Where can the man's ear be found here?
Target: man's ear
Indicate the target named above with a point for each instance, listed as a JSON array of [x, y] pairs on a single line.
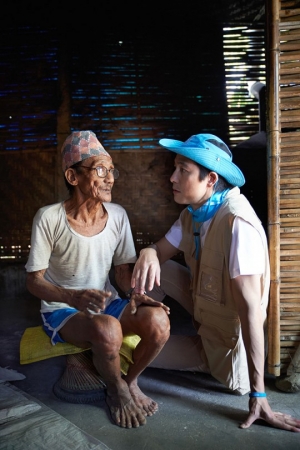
[[71, 177], [212, 178]]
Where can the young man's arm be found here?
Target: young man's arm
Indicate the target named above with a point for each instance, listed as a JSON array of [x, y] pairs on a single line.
[[146, 271], [246, 292], [123, 277]]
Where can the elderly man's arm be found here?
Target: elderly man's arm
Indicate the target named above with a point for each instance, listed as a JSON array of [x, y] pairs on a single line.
[[41, 288], [123, 273], [83, 299]]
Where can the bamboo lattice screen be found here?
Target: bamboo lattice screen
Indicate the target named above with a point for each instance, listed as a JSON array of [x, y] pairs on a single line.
[[130, 94], [284, 181]]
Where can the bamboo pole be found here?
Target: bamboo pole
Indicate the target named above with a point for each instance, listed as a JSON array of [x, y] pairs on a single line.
[[273, 155]]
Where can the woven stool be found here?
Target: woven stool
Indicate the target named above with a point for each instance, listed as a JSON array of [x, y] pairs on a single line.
[[80, 382]]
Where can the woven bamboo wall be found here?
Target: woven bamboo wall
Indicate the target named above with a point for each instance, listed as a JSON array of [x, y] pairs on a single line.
[[284, 184], [27, 183], [143, 189], [154, 85], [130, 95]]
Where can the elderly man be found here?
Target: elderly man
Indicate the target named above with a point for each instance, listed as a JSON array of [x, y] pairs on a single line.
[[225, 284], [73, 246]]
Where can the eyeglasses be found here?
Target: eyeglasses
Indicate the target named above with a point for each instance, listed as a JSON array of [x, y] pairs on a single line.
[[102, 171]]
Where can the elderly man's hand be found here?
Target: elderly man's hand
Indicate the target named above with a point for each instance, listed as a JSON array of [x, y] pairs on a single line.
[[90, 301], [138, 299]]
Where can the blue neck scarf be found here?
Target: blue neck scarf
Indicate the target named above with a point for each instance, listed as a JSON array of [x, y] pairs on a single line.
[[204, 213]]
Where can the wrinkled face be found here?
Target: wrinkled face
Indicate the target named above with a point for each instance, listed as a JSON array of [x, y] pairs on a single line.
[[90, 184], [187, 187]]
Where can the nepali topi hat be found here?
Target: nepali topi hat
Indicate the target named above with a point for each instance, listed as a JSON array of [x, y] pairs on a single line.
[[80, 145]]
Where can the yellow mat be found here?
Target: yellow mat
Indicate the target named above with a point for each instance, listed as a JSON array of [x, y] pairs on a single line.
[[36, 346]]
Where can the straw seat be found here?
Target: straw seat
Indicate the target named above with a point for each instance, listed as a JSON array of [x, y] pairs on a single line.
[[80, 382]]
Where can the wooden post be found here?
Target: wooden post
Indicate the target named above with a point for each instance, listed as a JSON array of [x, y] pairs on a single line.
[[273, 155]]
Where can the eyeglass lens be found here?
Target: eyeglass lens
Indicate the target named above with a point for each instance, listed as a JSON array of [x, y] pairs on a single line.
[[103, 171]]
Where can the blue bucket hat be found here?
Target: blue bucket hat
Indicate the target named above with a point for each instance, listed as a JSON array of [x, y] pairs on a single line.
[[209, 151]]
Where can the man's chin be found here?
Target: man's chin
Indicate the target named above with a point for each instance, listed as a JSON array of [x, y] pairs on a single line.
[[105, 197], [178, 199]]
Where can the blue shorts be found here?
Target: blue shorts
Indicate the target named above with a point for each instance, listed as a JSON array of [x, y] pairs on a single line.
[[54, 321]]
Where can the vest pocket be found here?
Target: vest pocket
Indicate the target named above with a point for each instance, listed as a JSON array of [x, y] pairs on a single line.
[[221, 339], [211, 285], [211, 270], [224, 350]]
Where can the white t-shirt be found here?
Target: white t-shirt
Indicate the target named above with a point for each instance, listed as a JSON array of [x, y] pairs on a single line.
[[74, 261], [246, 252]]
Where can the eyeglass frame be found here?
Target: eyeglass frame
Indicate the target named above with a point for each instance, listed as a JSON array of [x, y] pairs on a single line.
[[115, 173]]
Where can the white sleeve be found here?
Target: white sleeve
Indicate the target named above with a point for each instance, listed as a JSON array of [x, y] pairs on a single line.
[[174, 235], [41, 242], [119, 224], [246, 251]]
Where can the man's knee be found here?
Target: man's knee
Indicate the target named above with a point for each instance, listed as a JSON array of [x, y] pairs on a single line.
[[106, 331], [157, 327]]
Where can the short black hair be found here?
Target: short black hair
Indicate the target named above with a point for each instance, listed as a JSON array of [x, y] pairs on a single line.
[[220, 185]]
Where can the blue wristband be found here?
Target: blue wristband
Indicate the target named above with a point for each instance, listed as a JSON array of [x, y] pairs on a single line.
[[257, 394]]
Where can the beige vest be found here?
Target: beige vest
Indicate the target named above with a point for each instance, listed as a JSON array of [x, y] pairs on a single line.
[[214, 307]]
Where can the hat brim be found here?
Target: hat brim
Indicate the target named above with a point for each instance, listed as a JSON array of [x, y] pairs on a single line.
[[208, 159]]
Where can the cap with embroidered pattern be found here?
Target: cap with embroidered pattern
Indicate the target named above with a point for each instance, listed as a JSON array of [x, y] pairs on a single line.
[[80, 145]]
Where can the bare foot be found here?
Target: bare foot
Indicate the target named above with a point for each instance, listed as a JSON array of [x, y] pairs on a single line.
[[125, 413], [141, 400]]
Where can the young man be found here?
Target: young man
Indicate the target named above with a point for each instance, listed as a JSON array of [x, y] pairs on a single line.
[[225, 284], [73, 245]]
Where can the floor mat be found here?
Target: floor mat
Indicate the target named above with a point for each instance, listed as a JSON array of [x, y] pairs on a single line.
[[28, 424]]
